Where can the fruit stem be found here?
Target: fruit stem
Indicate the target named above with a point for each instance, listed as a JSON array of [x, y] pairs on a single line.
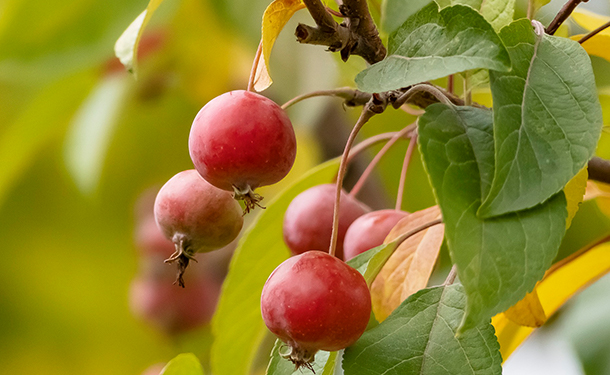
[[451, 277], [347, 93], [403, 172], [365, 115], [257, 58], [182, 256], [376, 159], [371, 141]]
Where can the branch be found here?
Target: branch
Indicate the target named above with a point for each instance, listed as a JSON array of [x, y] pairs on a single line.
[[357, 35], [563, 15], [599, 170], [594, 32]]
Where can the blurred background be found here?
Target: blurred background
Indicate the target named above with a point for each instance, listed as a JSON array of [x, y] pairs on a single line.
[[82, 142]]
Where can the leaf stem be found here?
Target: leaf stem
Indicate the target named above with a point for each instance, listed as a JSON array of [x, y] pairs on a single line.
[[438, 94], [403, 172], [594, 32], [367, 172], [451, 277], [257, 58]]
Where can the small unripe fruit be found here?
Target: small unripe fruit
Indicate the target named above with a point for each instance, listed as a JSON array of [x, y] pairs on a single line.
[[308, 221], [241, 140], [196, 216], [369, 231], [315, 301]]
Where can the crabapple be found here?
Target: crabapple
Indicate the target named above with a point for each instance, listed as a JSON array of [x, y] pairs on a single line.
[[196, 216], [174, 310], [308, 220], [315, 301], [369, 230], [241, 140]]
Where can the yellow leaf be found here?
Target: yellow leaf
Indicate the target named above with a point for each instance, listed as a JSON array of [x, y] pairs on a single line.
[[598, 45], [126, 47], [411, 265], [275, 18], [562, 281], [575, 193], [590, 21], [527, 312]]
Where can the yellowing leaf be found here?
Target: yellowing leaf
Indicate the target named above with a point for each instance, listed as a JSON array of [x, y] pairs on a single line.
[[126, 47], [275, 18], [590, 21], [575, 193], [563, 280], [527, 312], [411, 265], [598, 45]]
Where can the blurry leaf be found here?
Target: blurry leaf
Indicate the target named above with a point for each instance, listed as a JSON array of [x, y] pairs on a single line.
[[183, 364], [498, 13], [575, 192], [527, 312], [126, 47], [395, 12], [411, 265], [45, 117], [590, 21], [421, 337], [237, 325], [597, 45], [561, 282], [537, 4], [433, 44], [91, 131], [277, 14], [324, 363], [455, 143], [547, 119]]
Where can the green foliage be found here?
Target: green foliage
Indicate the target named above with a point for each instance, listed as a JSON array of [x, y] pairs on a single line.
[[238, 326], [396, 12], [420, 338], [547, 119], [458, 153], [498, 13], [183, 364], [432, 44]]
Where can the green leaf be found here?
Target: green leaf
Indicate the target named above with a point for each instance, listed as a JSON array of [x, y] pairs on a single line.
[[237, 325], [420, 337], [498, 13], [91, 131], [499, 260], [547, 119], [395, 12], [433, 44], [324, 362], [183, 364], [126, 47]]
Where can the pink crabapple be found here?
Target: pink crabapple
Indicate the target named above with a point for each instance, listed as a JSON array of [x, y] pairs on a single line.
[[315, 301], [241, 140]]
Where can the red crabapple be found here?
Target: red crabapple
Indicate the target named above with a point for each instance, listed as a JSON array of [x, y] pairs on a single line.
[[315, 301], [241, 140], [369, 231], [196, 216], [308, 220]]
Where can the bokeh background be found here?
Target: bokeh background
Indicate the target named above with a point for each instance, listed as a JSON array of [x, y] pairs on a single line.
[[81, 140]]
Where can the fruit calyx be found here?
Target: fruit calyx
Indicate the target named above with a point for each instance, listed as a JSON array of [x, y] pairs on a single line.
[[250, 198], [182, 256], [300, 357]]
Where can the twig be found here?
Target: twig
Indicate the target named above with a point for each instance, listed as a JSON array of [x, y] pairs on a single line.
[[377, 158], [356, 35], [403, 172], [563, 15], [599, 170], [594, 32]]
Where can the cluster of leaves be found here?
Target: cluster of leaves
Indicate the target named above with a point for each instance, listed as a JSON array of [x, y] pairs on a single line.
[[508, 182]]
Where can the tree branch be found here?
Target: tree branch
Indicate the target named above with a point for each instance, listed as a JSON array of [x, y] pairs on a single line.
[[357, 35], [599, 170], [563, 15]]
